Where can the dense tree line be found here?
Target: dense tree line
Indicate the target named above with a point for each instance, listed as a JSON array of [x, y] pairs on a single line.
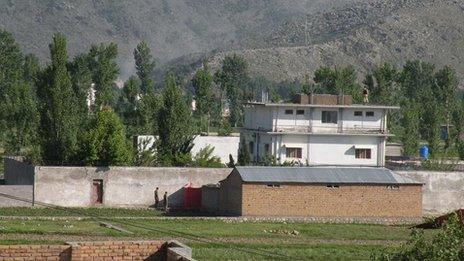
[[45, 112]]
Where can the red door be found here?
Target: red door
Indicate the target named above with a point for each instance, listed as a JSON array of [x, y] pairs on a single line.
[[97, 191]]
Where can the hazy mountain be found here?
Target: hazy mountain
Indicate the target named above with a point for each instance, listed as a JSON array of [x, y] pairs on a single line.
[[282, 39]]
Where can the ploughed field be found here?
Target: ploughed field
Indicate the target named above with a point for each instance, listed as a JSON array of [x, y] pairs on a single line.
[[210, 239]]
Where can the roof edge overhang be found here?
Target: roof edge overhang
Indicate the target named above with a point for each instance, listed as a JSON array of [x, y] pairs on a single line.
[[354, 106]]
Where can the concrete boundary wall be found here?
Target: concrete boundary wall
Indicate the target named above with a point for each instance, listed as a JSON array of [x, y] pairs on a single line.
[[18, 172], [122, 186], [442, 191], [22, 193]]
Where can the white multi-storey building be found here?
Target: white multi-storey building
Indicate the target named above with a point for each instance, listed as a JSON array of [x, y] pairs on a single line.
[[318, 130]]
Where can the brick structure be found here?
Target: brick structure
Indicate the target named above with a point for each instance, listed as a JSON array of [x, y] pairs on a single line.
[[107, 250], [320, 192]]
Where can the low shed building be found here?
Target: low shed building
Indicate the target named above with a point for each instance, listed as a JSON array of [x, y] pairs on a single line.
[[320, 192]]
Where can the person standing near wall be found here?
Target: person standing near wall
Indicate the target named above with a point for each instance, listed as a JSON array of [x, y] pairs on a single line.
[[165, 199], [156, 198]]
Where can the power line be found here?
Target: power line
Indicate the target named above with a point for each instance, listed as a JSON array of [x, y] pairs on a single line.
[[177, 233]]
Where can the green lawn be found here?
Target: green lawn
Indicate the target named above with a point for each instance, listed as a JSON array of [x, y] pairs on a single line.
[[66, 212], [215, 239]]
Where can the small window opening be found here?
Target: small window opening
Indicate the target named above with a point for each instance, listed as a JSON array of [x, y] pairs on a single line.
[[393, 187], [333, 186], [329, 117], [293, 153], [363, 153], [358, 113], [273, 185], [288, 111], [369, 114], [300, 112]]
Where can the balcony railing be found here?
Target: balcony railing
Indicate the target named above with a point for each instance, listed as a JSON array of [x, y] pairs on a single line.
[[356, 129]]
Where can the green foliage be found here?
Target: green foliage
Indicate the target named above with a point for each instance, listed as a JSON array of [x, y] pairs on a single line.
[[339, 80], [382, 84], [233, 78], [145, 65], [106, 142], [104, 72], [439, 165], [410, 131], [243, 155], [175, 131], [81, 78], [268, 160], [202, 81], [458, 133], [205, 159], [431, 122], [417, 76], [225, 129], [127, 105], [60, 122], [19, 117], [448, 244]]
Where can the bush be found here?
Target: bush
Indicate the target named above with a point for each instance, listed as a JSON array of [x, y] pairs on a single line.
[[448, 244]]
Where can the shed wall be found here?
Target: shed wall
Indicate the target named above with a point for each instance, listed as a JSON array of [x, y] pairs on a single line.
[[298, 200]]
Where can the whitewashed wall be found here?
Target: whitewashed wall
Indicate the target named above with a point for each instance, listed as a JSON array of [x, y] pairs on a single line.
[[223, 146]]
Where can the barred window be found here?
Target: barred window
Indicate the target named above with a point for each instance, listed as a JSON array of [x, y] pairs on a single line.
[[293, 152], [363, 153], [329, 117]]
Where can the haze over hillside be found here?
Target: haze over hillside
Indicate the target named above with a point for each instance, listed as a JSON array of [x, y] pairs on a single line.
[[282, 39]]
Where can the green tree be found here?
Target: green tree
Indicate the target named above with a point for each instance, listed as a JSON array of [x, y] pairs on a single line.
[[127, 104], [106, 142], [104, 70], [31, 68], [416, 78], [339, 80], [458, 133], [205, 159], [19, 117], [446, 93], [431, 121], [81, 78], [202, 81], [145, 65], [233, 78], [59, 111], [382, 84], [174, 128], [410, 131], [243, 155]]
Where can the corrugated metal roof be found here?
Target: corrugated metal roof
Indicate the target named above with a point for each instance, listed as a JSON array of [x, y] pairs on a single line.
[[329, 175]]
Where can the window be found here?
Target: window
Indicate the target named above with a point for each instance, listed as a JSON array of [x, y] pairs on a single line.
[[293, 152], [363, 153], [393, 187], [329, 117], [333, 186], [267, 148], [288, 111], [299, 112], [369, 114], [251, 147], [358, 113], [273, 185]]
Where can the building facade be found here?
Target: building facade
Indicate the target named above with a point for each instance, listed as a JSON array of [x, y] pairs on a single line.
[[364, 192], [319, 130]]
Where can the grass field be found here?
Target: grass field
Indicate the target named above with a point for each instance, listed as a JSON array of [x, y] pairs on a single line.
[[213, 239]]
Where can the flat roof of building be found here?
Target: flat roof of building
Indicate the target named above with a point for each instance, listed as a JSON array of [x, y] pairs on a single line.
[[354, 106], [323, 175]]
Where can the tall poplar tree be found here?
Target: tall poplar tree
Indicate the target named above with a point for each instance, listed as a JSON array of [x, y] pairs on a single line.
[[233, 78], [145, 65], [19, 117], [202, 81], [175, 131], [104, 72], [410, 128], [59, 113], [339, 80]]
